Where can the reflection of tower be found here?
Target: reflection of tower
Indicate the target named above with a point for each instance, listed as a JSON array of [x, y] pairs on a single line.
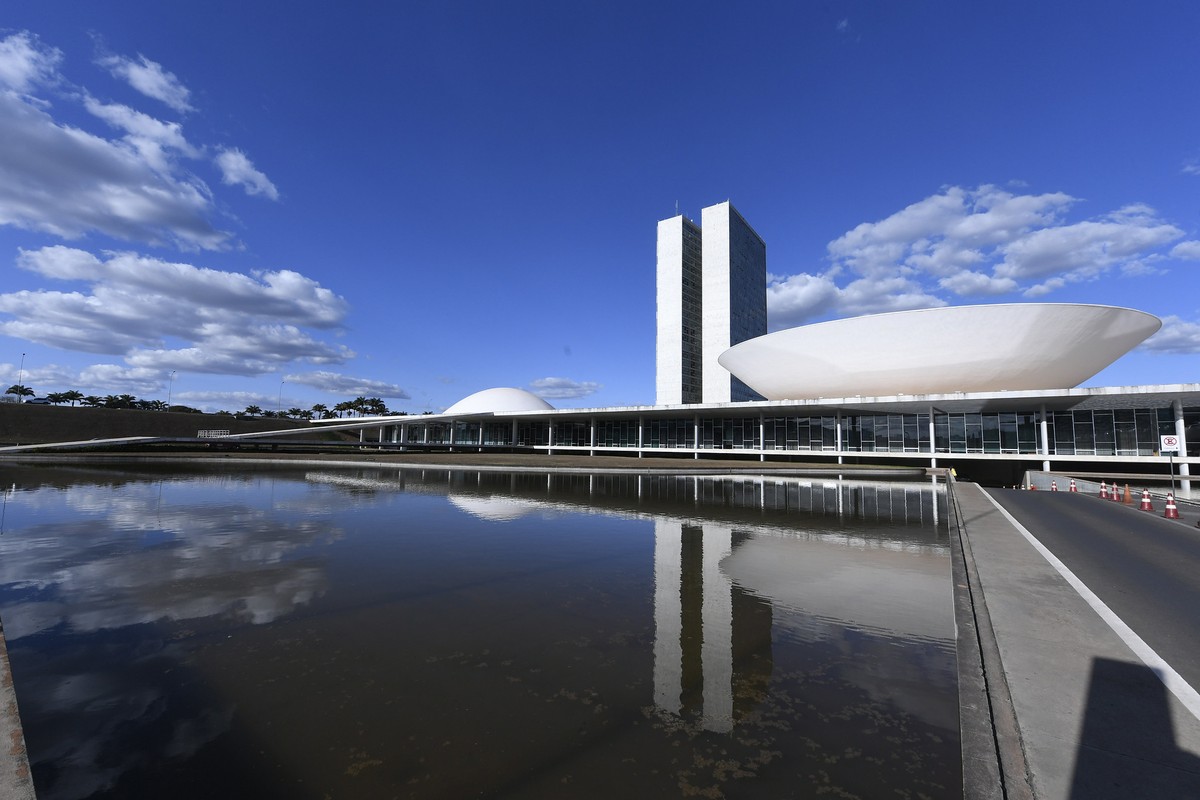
[[712, 639]]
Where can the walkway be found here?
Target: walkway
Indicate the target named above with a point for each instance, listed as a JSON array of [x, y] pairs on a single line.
[[1091, 720]]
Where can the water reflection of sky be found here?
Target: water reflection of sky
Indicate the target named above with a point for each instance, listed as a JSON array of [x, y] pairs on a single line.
[[379, 632]]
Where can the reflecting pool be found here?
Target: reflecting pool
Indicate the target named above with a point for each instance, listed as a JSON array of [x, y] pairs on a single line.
[[309, 632]]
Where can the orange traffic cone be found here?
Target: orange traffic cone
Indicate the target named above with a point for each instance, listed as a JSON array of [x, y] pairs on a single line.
[[1146, 504], [1128, 498], [1172, 512]]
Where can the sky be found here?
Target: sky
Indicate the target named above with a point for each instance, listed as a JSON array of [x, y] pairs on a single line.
[[290, 203]]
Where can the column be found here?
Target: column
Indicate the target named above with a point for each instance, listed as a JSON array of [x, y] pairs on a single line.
[[668, 615], [1185, 485], [932, 439], [716, 652], [1044, 433]]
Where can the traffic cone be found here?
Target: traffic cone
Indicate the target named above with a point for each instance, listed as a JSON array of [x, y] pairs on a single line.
[[1172, 512], [1054, 486], [1103, 490], [1128, 498], [1073, 488], [1115, 495], [1146, 504]]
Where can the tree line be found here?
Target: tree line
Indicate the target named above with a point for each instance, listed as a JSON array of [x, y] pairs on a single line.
[[359, 406]]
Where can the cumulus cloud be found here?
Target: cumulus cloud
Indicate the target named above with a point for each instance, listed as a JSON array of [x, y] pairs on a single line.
[[237, 170], [68, 181], [1176, 336], [335, 383], [149, 78], [1189, 251], [138, 307], [971, 243], [26, 63], [562, 388]]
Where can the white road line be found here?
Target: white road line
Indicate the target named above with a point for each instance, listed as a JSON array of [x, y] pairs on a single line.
[[1170, 678]]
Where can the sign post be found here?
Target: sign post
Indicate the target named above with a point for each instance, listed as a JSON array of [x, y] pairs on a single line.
[[1170, 444]]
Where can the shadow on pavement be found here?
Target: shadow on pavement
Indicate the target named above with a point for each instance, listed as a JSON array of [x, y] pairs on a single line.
[[1127, 747]]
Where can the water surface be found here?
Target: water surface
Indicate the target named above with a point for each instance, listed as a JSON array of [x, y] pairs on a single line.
[[309, 633]]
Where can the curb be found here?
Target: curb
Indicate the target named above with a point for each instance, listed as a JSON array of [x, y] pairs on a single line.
[[993, 756]]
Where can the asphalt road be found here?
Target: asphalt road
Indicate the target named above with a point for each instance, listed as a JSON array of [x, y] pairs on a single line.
[[1145, 568]]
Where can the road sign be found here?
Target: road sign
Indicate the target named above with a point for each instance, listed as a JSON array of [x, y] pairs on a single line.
[[1168, 444]]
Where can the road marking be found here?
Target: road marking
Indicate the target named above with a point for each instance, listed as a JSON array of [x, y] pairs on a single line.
[[1170, 678]]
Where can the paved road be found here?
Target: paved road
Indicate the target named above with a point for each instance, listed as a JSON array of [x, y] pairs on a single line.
[[1145, 568]]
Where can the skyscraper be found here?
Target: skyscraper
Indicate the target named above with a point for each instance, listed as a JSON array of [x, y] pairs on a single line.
[[712, 294]]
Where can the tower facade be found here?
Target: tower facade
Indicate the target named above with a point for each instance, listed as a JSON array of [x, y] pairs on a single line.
[[712, 294]]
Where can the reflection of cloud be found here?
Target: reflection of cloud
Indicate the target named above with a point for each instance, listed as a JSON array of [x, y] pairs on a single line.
[[493, 509], [137, 566]]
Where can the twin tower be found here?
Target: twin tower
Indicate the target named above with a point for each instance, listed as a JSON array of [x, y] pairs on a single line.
[[712, 294]]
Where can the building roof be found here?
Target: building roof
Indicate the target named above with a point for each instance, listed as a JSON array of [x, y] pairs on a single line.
[[986, 348]]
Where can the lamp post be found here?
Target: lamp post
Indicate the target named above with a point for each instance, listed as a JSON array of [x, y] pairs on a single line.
[[20, 378], [170, 385], [279, 400]]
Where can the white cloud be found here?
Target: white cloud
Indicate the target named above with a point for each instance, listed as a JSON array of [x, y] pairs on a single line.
[[1189, 251], [26, 63], [335, 383], [121, 380], [963, 243], [151, 138], [1176, 336], [563, 388], [237, 170], [67, 182], [149, 78], [137, 307]]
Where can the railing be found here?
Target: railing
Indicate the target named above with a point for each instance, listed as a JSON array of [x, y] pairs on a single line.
[[211, 434]]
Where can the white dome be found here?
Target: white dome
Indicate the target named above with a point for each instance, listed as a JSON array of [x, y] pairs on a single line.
[[502, 399], [1008, 346]]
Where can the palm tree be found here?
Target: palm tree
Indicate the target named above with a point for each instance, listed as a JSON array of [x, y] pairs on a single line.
[[320, 408], [343, 407], [295, 412], [376, 406], [19, 390], [92, 400], [72, 396], [56, 398], [253, 411]]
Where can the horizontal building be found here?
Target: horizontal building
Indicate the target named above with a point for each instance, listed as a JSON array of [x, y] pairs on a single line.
[[988, 436]]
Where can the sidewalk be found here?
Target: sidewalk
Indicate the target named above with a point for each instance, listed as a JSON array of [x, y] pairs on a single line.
[[1091, 719], [16, 783]]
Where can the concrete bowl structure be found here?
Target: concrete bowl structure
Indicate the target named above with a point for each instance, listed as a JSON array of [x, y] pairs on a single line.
[[1002, 347], [500, 399]]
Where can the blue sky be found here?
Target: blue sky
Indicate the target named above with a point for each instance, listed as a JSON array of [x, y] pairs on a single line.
[[300, 203]]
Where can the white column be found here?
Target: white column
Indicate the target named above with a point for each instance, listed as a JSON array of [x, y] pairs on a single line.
[[641, 435], [932, 439], [1185, 485], [696, 436], [1044, 433], [838, 437]]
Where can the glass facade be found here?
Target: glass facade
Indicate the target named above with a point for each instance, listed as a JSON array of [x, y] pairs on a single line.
[[1097, 432]]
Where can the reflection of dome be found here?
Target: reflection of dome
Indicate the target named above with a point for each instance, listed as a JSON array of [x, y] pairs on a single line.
[[499, 400], [1007, 346], [494, 509]]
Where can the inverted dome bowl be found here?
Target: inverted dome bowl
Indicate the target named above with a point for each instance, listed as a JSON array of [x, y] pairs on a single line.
[[1012, 346]]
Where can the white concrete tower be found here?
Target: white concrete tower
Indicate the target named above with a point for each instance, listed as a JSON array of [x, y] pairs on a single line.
[[678, 355], [734, 290]]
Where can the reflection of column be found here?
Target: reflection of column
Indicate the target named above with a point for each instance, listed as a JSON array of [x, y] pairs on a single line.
[[717, 649], [668, 615]]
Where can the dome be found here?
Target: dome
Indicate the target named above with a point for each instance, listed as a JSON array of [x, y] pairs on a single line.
[[502, 399], [1006, 346]]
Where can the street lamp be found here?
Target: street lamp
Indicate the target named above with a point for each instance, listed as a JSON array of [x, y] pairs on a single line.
[[279, 400], [20, 378], [170, 385]]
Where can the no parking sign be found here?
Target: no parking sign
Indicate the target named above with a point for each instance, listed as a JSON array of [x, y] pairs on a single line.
[[1168, 444]]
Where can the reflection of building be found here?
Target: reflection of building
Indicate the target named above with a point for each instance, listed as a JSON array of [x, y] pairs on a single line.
[[712, 294], [712, 646]]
